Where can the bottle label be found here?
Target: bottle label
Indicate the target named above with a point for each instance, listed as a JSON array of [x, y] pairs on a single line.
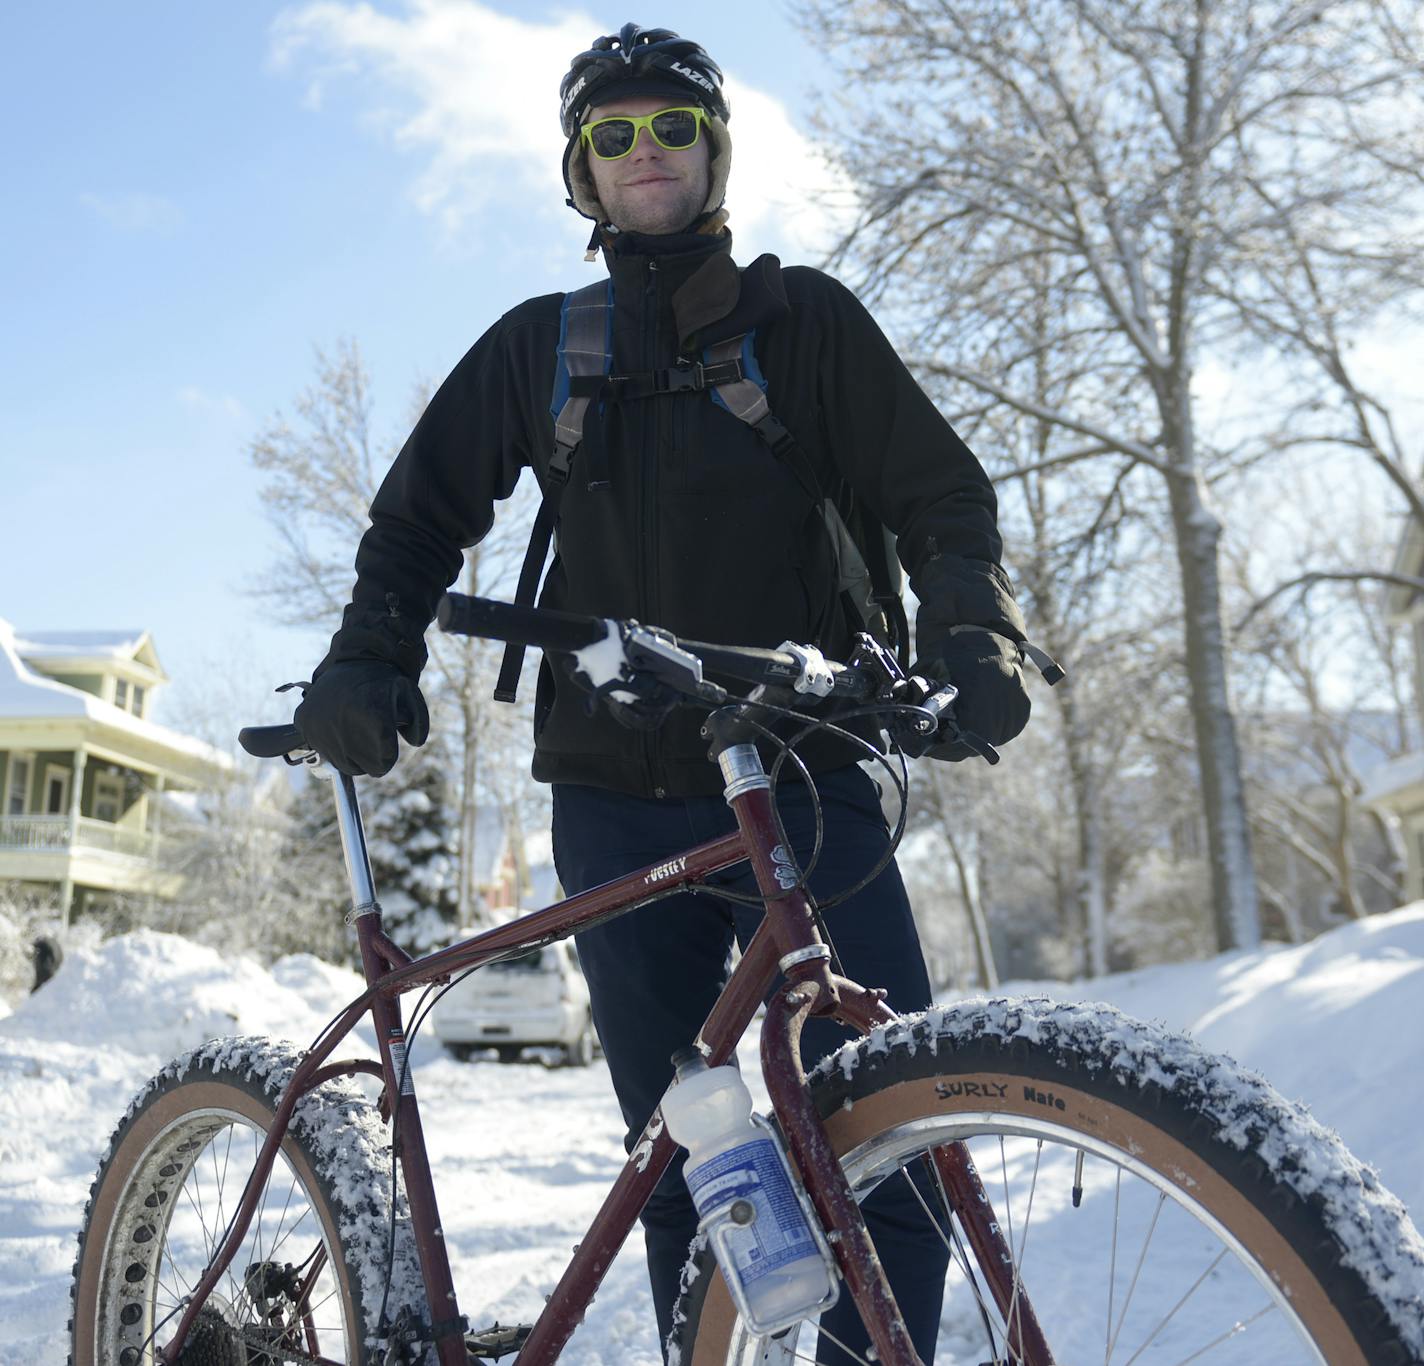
[[755, 1171]]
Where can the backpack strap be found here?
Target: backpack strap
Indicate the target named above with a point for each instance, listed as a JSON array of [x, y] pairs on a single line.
[[585, 352], [867, 568]]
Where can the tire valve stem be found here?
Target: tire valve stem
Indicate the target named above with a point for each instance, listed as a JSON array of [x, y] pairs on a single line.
[[1078, 1180]]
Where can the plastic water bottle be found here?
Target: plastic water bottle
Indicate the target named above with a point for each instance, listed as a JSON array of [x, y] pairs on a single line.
[[743, 1191]]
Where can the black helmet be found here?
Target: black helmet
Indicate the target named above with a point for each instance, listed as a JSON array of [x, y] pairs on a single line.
[[656, 60]]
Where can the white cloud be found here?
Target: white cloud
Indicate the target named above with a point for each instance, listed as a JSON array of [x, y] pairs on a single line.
[[212, 405], [471, 94], [135, 211]]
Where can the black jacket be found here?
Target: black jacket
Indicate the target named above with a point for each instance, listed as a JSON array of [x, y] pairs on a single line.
[[702, 530]]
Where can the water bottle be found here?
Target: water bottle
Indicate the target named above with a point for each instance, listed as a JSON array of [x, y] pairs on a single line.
[[775, 1263]]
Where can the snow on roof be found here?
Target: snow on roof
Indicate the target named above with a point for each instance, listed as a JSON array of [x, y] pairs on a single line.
[[81, 644], [27, 695]]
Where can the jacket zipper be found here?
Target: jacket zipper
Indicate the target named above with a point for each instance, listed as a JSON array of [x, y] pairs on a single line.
[[647, 482]]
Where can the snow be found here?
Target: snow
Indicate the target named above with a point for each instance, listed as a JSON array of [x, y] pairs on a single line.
[[523, 1154]]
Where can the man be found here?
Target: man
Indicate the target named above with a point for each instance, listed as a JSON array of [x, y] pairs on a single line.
[[672, 510]]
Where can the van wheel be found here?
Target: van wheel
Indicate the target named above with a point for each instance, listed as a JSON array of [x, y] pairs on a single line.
[[461, 1052], [580, 1052]]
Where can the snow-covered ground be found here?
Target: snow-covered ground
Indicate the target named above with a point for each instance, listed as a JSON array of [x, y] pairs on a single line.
[[524, 1154]]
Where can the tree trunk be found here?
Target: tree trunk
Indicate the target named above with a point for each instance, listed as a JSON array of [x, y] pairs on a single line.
[[974, 907], [472, 909], [1233, 878], [1092, 874]]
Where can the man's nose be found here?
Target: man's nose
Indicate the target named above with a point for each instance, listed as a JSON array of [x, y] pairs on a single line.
[[644, 145]]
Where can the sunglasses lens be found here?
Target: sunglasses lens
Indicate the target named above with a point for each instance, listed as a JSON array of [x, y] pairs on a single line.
[[612, 137], [675, 128]]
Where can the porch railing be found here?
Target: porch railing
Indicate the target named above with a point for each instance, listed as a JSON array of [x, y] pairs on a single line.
[[44, 834]]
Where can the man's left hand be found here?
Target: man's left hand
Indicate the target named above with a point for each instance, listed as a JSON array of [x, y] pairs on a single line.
[[993, 702]]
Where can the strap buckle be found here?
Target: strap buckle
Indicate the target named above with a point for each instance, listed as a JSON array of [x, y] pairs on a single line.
[[560, 462], [681, 378]]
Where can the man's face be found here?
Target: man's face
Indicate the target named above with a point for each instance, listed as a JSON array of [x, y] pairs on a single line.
[[652, 189]]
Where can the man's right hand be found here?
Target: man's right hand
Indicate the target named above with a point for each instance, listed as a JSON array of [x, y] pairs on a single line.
[[354, 710]]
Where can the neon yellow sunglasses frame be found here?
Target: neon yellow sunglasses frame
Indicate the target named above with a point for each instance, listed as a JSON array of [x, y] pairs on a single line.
[[642, 121]]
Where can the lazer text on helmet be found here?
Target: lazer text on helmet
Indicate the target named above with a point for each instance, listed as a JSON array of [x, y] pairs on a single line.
[[694, 76]]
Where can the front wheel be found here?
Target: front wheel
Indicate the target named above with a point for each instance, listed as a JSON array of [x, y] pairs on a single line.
[[307, 1283], [1163, 1205]]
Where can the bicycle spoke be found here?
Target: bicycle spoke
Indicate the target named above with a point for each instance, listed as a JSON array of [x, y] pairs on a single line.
[[957, 1249], [1136, 1273], [1012, 1317], [1171, 1313], [855, 1356], [1240, 1326]]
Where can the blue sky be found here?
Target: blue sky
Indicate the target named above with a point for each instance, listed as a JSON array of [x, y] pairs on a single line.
[[197, 195]]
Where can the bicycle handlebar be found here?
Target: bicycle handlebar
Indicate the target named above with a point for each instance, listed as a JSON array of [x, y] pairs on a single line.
[[644, 647]]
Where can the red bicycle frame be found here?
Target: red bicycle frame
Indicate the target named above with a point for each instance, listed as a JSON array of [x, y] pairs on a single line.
[[787, 940]]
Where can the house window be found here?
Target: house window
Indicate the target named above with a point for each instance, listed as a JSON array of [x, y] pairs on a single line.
[[137, 700], [56, 790], [108, 796], [121, 694], [17, 790]]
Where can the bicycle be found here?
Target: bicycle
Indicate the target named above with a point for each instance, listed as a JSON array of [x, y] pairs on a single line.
[[1269, 1242]]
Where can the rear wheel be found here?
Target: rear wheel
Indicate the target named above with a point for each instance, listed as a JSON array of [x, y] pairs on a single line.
[[308, 1281], [1163, 1205]]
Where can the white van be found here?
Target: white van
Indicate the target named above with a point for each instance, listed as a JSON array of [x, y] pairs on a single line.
[[537, 999]]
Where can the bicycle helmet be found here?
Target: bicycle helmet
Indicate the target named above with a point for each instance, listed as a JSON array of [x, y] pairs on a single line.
[[657, 59], [653, 61]]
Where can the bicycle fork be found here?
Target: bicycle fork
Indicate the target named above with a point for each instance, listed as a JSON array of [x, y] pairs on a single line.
[[813, 989]]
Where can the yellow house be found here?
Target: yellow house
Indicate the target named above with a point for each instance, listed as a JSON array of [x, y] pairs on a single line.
[[1397, 787], [83, 771]]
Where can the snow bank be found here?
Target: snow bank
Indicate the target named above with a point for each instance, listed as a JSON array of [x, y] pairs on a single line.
[[523, 1156], [158, 995]]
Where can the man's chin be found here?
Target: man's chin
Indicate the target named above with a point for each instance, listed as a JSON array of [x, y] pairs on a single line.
[[655, 220]]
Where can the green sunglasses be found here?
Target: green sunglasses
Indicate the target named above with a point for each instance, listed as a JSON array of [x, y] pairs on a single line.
[[675, 130]]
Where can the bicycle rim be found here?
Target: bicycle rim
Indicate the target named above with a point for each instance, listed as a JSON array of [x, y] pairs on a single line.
[[284, 1295], [1162, 1206], [1169, 1282]]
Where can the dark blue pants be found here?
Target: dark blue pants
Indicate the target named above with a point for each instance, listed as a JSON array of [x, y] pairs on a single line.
[[654, 974]]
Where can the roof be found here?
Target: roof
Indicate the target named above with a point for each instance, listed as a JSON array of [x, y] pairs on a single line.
[[115, 643], [29, 696], [89, 647]]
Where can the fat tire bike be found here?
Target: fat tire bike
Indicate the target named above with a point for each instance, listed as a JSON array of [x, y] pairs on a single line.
[[1104, 1190]]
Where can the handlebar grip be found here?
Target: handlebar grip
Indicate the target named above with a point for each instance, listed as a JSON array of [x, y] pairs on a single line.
[[462, 615], [270, 742]]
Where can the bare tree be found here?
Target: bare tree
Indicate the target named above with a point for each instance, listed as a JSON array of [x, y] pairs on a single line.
[[322, 471], [1328, 690], [1149, 155]]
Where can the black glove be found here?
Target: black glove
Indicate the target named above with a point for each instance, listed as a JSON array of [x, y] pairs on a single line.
[[986, 668], [353, 711]]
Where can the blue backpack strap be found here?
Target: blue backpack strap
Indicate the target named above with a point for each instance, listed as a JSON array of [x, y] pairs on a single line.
[[585, 350], [867, 573]]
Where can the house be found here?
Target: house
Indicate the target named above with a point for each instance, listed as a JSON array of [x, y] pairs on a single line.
[[83, 771], [1396, 788], [506, 884]]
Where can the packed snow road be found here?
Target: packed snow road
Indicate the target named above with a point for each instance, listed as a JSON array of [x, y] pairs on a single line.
[[523, 1154]]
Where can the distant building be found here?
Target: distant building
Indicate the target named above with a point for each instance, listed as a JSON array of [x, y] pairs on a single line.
[[83, 771], [505, 882]]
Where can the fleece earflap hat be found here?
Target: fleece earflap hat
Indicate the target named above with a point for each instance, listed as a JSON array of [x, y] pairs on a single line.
[[639, 61]]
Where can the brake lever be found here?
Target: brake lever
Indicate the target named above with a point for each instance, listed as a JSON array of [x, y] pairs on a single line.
[[916, 736]]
